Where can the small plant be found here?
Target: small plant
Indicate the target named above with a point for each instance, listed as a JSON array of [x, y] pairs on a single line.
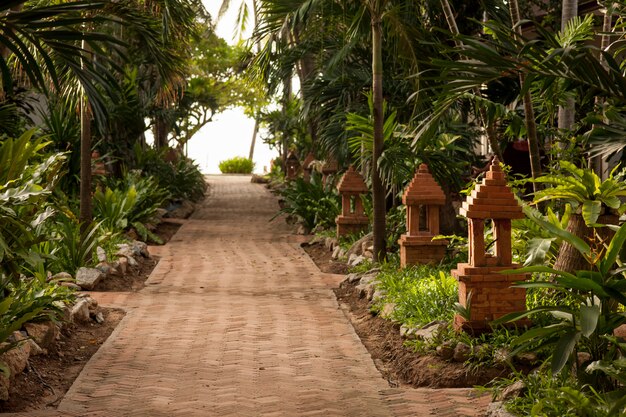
[[311, 202], [69, 249], [421, 294], [132, 202], [28, 300], [237, 165]]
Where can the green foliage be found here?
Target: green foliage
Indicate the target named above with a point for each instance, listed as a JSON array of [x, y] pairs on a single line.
[[29, 300], [133, 202], [237, 165], [534, 242], [25, 186], [548, 395], [584, 190], [313, 204], [182, 179], [396, 226], [68, 249], [421, 294], [588, 320]]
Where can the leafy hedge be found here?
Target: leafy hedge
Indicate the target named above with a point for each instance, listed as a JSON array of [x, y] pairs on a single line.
[[237, 165]]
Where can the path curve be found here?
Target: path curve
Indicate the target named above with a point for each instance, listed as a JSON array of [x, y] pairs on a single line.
[[236, 320]]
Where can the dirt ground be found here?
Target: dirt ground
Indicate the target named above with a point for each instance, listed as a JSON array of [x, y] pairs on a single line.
[[135, 281], [48, 377], [398, 364], [323, 259]]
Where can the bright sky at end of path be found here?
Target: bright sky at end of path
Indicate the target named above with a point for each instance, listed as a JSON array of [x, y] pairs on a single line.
[[230, 133]]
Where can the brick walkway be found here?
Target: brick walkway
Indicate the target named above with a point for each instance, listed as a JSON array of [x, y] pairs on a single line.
[[237, 321]]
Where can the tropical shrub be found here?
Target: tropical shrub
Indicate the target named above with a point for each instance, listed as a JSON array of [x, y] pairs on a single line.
[[133, 202], [182, 179], [237, 165], [29, 300], [584, 319], [25, 187], [68, 249], [311, 202]]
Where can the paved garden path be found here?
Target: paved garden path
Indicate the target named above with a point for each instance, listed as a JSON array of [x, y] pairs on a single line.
[[237, 321]]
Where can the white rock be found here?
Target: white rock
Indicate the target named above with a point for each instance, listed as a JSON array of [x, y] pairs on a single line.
[[140, 249], [336, 251], [357, 261], [100, 318], [61, 276], [352, 278], [71, 285], [88, 278], [357, 247], [429, 331], [387, 311], [80, 312], [368, 278], [102, 255]]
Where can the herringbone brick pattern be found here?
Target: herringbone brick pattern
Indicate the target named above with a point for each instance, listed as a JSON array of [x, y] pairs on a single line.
[[237, 321]]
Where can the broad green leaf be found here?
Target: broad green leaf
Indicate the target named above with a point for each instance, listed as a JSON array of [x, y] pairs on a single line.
[[581, 284], [563, 350], [574, 240], [613, 250], [539, 332], [591, 210], [537, 250], [541, 269], [589, 319]]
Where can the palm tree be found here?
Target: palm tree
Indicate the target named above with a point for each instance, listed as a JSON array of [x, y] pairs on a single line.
[[567, 112], [529, 113]]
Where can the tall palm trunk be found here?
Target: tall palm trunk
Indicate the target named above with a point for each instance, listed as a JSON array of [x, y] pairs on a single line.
[[378, 192], [86, 210], [529, 112], [598, 162], [255, 131], [492, 137], [567, 113]]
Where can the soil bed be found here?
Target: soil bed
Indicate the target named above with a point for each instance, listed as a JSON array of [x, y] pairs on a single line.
[[324, 260], [398, 364], [136, 281], [48, 377]]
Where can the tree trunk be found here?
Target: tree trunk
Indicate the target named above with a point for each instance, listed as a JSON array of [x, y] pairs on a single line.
[[567, 113], [569, 258], [529, 113], [160, 133], [253, 142], [378, 191], [255, 132], [492, 137], [598, 163], [86, 211]]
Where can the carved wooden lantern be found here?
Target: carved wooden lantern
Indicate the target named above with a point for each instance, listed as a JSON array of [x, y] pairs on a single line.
[[491, 293], [352, 218], [306, 166], [293, 166], [423, 199], [330, 167]]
